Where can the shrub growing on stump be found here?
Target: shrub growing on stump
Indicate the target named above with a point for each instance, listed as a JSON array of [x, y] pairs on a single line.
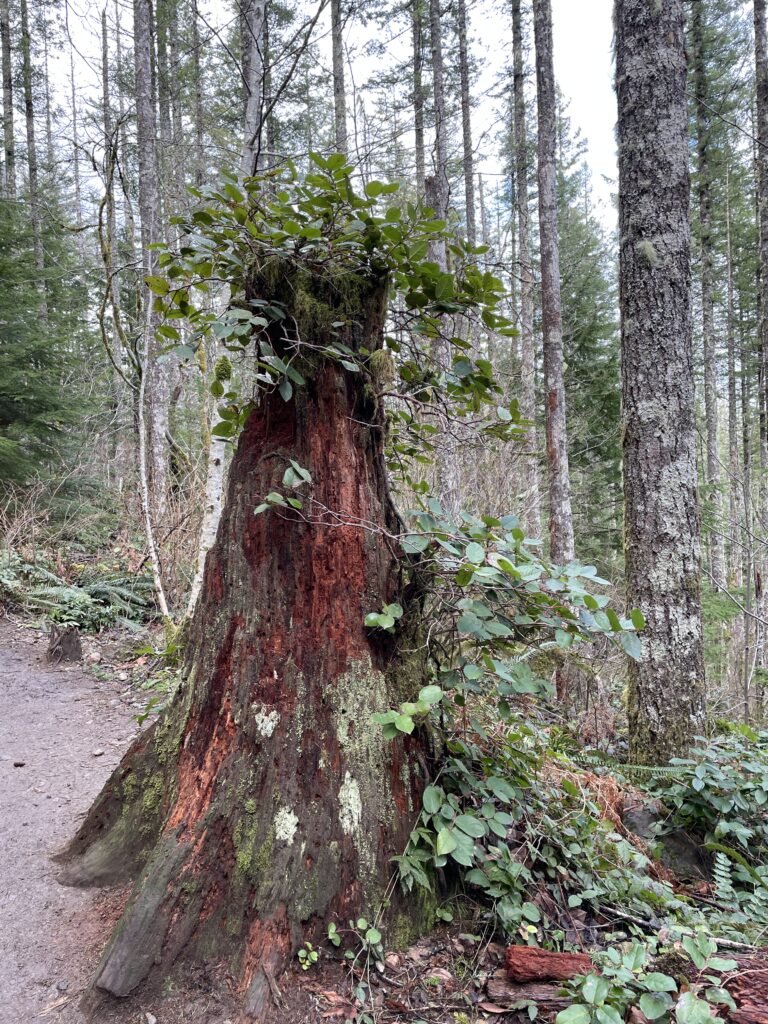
[[263, 803]]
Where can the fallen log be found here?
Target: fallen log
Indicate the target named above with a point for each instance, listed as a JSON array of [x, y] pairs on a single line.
[[527, 969], [528, 963]]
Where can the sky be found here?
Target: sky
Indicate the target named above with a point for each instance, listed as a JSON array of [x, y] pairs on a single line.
[[583, 35], [582, 58]]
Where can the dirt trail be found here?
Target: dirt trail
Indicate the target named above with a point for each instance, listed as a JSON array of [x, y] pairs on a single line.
[[54, 720]]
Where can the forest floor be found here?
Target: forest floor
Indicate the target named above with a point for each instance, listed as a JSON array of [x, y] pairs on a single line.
[[62, 731]]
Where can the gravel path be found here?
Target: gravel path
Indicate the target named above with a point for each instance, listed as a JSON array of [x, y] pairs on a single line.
[[61, 733]]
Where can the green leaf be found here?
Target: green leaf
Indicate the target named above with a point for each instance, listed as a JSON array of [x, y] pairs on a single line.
[[575, 1014], [655, 1004], [373, 936], [404, 723], [692, 1010], [531, 912], [430, 694], [632, 645], [433, 799], [470, 826], [445, 842], [475, 553], [594, 989], [638, 619], [158, 285], [656, 982], [414, 543]]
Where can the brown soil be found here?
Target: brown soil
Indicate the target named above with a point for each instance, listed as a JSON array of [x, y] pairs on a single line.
[[62, 731]]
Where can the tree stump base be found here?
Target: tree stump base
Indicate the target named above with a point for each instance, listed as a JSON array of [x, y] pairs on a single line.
[[64, 645]]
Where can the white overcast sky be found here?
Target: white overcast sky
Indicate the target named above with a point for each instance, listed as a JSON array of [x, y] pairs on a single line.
[[583, 68]]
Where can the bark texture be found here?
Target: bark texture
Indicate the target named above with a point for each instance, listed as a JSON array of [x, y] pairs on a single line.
[[530, 471], [252, 29], [466, 121], [156, 384], [662, 517], [702, 106], [339, 92], [560, 518], [417, 33], [264, 803], [35, 215], [8, 139]]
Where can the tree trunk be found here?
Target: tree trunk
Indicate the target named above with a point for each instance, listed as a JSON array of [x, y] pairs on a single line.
[[531, 497], [264, 804], [466, 122], [197, 70], [252, 26], [436, 194], [339, 92], [158, 393], [417, 32], [734, 469], [662, 519], [560, 519], [8, 139], [717, 558], [34, 185]]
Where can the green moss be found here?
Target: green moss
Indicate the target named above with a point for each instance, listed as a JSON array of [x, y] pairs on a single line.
[[252, 857]]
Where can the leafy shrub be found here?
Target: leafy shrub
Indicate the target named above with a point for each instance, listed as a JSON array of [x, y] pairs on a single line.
[[627, 980], [721, 791]]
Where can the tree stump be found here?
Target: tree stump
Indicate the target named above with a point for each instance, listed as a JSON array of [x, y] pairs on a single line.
[[64, 645]]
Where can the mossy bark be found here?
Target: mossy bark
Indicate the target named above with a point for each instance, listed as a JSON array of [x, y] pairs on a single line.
[[274, 803]]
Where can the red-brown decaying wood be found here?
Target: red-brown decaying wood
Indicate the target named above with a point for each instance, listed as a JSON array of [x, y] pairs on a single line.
[[527, 963], [282, 804], [527, 967]]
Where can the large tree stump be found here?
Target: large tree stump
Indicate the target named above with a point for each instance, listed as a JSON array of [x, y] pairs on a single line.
[[264, 804]]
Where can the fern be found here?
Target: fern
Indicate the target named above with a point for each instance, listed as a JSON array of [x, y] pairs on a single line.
[[723, 877]]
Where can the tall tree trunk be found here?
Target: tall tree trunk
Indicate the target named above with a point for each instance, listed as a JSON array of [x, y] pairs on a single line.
[[660, 482], [761, 159], [271, 125], [531, 498], [157, 386], [747, 546], [252, 25], [702, 105], [417, 33], [8, 139], [436, 194], [339, 90], [269, 805], [560, 519], [197, 70], [734, 469], [166, 155], [49, 151], [75, 141], [466, 122], [34, 185]]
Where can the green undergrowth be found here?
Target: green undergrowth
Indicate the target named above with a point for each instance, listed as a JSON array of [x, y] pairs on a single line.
[[91, 598]]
